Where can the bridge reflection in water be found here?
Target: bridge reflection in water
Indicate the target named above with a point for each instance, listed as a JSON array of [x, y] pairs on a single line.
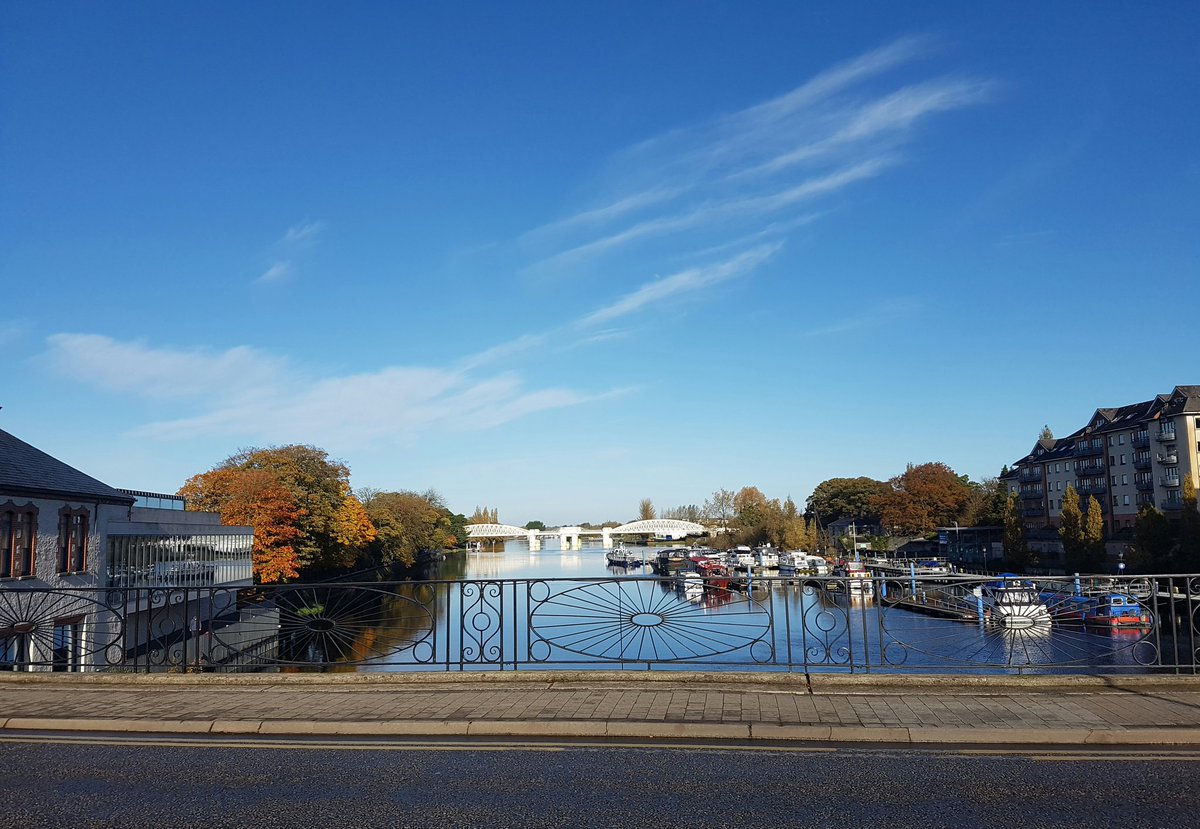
[[800, 624]]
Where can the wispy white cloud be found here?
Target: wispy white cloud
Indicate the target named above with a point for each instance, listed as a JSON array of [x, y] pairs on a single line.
[[603, 336], [11, 331], [276, 273], [303, 233], [289, 250], [682, 282], [719, 211], [873, 316], [161, 373], [503, 351], [733, 174], [608, 212], [889, 115], [247, 394]]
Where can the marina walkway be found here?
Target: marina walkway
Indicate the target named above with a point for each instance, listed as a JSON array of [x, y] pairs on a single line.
[[1161, 710]]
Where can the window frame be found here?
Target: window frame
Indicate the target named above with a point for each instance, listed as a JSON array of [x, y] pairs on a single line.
[[9, 513], [73, 540]]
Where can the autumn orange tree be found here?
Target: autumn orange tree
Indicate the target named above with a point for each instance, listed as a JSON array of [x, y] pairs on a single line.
[[329, 526], [924, 497], [253, 498]]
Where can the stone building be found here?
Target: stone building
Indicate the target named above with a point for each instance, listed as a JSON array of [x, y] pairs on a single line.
[[86, 569]]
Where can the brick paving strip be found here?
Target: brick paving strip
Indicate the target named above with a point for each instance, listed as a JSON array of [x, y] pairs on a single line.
[[1155, 710]]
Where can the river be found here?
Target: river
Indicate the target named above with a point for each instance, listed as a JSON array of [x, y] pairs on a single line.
[[517, 609]]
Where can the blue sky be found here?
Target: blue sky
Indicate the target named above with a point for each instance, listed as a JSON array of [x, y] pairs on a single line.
[[556, 258]]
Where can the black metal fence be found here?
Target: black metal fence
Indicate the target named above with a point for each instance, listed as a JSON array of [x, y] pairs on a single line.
[[799, 623]]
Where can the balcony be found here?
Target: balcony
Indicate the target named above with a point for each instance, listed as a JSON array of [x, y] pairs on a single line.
[[1033, 493], [1168, 458], [1144, 484], [1033, 512], [1090, 468], [1170, 481], [1171, 504], [1030, 474], [1141, 440], [1093, 488], [1144, 499], [1083, 450], [1141, 461], [1165, 435]]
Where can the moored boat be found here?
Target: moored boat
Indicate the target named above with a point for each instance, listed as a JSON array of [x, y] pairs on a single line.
[[1015, 603], [715, 574]]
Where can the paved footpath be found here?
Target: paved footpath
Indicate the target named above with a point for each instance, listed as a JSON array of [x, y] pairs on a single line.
[[1161, 710]]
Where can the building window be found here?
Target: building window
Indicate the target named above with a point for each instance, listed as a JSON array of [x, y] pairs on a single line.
[[1114, 500], [72, 540], [1126, 500], [1121, 439], [14, 651], [1124, 479], [18, 538], [68, 645], [1112, 441], [1122, 460]]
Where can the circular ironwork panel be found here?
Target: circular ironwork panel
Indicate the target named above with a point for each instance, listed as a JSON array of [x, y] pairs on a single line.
[[646, 621], [1027, 622], [323, 625]]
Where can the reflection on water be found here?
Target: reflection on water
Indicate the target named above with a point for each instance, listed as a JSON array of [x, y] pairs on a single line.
[[504, 609]]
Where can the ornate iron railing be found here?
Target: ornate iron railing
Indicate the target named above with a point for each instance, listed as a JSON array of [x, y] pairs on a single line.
[[803, 623]]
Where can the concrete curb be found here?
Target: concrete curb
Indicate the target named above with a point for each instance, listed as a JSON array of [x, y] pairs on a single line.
[[739, 732]]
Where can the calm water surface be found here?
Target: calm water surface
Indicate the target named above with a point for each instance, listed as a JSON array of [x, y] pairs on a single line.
[[556, 609]]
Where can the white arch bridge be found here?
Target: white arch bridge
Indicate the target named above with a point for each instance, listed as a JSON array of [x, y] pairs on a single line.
[[571, 538]]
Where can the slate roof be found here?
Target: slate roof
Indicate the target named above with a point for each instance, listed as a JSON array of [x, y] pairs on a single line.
[[1182, 400], [28, 471]]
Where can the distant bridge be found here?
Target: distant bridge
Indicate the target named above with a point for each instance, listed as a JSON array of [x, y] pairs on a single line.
[[570, 538]]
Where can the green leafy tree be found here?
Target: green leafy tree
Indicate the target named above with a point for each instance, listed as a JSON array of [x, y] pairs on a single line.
[[409, 523], [750, 507], [1188, 554], [535, 525], [1016, 545], [1093, 536], [985, 505], [1153, 541], [845, 498], [1070, 529]]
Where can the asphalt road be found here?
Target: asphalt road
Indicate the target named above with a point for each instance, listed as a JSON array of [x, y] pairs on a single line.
[[96, 781]]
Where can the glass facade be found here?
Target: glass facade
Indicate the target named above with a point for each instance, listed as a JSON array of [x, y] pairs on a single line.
[[156, 500], [178, 560]]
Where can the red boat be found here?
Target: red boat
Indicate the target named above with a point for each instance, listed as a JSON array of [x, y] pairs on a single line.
[[716, 575]]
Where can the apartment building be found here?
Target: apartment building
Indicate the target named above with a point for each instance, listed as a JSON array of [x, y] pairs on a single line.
[[1127, 457]]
